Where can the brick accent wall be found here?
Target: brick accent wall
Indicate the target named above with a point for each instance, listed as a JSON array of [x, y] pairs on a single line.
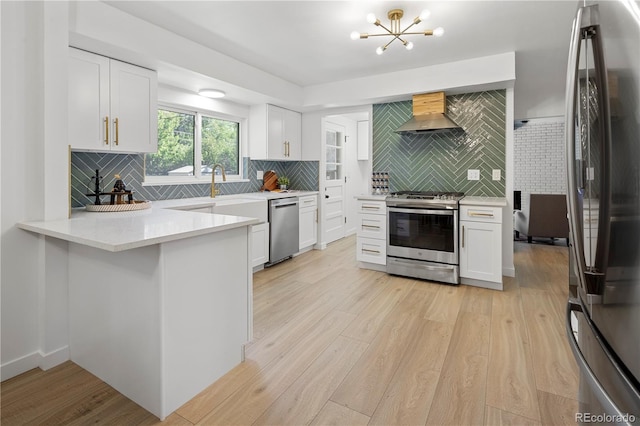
[[539, 158]]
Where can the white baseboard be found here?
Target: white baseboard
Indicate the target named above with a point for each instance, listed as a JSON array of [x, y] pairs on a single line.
[[19, 366], [54, 358], [509, 271], [33, 360]]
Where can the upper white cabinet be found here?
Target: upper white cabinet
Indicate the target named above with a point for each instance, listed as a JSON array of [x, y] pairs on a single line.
[[363, 140], [112, 105], [274, 133]]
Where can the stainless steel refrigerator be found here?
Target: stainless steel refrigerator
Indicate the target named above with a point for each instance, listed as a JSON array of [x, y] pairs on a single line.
[[603, 197]]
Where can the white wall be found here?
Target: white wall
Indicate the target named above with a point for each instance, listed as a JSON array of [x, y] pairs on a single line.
[[34, 184], [539, 162]]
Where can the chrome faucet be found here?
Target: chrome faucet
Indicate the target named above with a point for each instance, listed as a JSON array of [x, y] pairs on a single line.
[[213, 178]]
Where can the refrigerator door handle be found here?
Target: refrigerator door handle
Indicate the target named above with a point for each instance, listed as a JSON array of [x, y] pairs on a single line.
[[577, 232], [594, 384], [591, 279]]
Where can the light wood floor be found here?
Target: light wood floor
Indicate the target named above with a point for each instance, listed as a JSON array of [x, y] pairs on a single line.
[[335, 344]]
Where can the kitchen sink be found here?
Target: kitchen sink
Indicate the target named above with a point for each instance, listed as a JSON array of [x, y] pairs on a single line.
[[247, 207]]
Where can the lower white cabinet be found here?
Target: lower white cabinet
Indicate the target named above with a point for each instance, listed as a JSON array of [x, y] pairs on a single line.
[[259, 244], [308, 216], [371, 243], [371, 250], [481, 246]]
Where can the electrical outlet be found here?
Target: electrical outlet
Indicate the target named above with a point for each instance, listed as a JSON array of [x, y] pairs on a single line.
[[260, 174], [495, 175], [473, 174]]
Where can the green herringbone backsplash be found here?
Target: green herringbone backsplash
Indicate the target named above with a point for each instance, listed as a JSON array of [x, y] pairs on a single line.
[[439, 161]]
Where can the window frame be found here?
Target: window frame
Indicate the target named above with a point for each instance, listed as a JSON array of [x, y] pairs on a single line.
[[197, 178]]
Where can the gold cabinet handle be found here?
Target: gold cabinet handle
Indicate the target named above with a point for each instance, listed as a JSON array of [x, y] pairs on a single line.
[[370, 226], [106, 130], [364, 250], [116, 140], [462, 236], [472, 214]]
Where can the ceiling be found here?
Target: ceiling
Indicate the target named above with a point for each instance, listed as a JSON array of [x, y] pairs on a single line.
[[307, 42]]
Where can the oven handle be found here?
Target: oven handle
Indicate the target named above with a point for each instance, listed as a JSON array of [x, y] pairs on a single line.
[[421, 211], [427, 267]]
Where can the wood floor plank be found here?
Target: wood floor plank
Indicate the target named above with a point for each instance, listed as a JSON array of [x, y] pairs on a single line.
[[460, 395], [497, 417], [202, 404], [369, 322], [511, 385], [365, 385], [249, 402], [281, 339], [338, 415], [62, 391], [477, 300], [556, 409], [304, 399], [554, 366], [446, 303], [368, 288], [411, 390]]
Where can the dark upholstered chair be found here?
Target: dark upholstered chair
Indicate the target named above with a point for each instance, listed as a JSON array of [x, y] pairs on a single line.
[[547, 217]]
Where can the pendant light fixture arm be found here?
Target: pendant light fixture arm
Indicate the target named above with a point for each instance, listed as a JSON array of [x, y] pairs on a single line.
[[395, 15]]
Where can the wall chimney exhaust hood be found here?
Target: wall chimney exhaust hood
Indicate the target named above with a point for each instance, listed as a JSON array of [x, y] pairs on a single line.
[[428, 115]]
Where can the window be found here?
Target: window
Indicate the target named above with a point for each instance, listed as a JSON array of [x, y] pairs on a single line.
[[189, 138]]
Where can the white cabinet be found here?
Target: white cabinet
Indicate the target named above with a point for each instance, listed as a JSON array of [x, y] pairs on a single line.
[[308, 221], [371, 242], [112, 105], [259, 244], [363, 140], [481, 246], [274, 133]]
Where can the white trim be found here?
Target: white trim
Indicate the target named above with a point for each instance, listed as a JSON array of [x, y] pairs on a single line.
[[34, 360]]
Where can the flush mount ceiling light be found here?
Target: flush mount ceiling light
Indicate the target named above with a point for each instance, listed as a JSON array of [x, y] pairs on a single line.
[[211, 93], [395, 31]]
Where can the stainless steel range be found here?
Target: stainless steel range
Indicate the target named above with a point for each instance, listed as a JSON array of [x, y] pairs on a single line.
[[422, 238]]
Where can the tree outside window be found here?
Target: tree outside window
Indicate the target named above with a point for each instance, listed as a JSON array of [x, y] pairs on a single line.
[[187, 138]]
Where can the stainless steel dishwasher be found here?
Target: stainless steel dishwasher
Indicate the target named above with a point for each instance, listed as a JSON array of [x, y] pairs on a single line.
[[283, 229]]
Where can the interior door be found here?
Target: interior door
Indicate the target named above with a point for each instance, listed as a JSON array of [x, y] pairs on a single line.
[[334, 182]]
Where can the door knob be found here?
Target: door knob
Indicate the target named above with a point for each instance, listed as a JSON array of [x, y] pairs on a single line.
[[326, 196]]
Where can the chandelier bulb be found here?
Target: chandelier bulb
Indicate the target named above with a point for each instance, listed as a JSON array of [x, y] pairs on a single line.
[[408, 45], [424, 14], [355, 35], [438, 32], [371, 18], [380, 50]]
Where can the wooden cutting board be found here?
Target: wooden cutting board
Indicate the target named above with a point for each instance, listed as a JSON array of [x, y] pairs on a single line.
[[270, 181]]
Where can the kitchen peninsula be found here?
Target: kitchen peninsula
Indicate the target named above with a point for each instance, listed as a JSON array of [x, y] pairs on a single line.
[[159, 300]]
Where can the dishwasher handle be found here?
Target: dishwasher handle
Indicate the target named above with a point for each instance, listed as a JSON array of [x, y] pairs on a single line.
[[284, 202]]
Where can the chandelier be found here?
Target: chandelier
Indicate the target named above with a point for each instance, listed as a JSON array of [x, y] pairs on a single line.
[[395, 30]]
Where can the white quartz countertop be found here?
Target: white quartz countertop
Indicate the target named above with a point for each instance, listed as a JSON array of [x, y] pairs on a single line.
[[484, 201], [118, 231]]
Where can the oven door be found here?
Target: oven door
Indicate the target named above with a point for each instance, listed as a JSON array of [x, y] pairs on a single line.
[[423, 234]]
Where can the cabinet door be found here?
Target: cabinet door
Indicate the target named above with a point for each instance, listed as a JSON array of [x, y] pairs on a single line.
[[259, 244], [480, 251], [88, 102], [293, 135], [276, 147], [134, 116], [308, 234]]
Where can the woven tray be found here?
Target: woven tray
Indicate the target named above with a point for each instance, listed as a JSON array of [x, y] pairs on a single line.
[[136, 205]]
